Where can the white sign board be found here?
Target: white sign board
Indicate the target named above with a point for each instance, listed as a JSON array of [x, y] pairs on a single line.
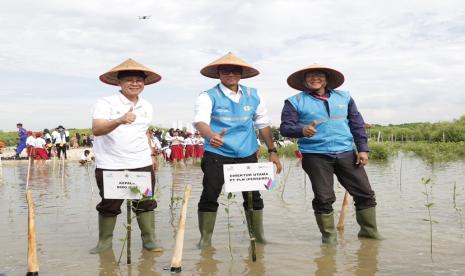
[[248, 177], [118, 184]]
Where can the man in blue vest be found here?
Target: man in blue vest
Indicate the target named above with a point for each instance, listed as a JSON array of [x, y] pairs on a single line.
[[327, 123], [226, 116]]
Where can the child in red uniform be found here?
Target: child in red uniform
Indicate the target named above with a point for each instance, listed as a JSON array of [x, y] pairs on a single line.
[[39, 147]]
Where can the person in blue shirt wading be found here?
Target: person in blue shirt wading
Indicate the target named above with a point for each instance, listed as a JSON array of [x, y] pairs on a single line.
[[327, 123], [226, 116]]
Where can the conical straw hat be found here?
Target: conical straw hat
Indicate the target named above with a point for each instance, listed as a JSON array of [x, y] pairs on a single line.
[[211, 70], [334, 77], [111, 77]]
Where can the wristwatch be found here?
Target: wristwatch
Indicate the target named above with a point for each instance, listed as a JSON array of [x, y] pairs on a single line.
[[272, 150]]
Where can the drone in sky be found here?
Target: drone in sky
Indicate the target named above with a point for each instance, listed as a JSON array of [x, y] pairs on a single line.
[[144, 17]]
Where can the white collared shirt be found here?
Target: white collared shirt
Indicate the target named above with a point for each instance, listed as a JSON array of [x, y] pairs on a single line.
[[127, 146], [30, 140], [39, 143], [188, 141], [204, 105], [59, 139]]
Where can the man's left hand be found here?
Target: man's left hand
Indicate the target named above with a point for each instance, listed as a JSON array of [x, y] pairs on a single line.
[[362, 159]]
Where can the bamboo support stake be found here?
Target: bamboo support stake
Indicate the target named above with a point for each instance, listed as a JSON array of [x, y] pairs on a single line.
[[129, 229], [32, 262], [177, 255], [344, 208], [28, 173], [63, 171]]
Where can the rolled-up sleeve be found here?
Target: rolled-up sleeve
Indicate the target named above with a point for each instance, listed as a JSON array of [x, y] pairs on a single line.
[[290, 122], [261, 118], [357, 127]]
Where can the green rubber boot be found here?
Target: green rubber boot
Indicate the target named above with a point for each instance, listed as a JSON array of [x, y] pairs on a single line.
[[206, 226], [146, 221], [257, 222], [106, 225], [326, 224], [366, 218]]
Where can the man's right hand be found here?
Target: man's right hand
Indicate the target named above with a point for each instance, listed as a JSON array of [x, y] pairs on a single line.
[[128, 118], [217, 140], [309, 130]]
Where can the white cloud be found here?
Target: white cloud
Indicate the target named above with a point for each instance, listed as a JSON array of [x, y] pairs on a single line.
[[403, 60]]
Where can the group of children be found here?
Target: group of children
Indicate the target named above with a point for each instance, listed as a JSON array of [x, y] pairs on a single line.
[[41, 145], [177, 145]]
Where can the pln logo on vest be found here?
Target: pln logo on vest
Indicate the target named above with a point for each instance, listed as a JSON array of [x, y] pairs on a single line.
[[247, 108]]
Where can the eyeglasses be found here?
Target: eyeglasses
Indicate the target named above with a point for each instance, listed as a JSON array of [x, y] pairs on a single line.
[[234, 71], [129, 80], [315, 75]]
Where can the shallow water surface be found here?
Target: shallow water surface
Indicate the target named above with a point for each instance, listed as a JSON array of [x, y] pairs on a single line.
[[66, 225]]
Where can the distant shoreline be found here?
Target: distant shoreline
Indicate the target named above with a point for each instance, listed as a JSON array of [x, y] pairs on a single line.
[[72, 154]]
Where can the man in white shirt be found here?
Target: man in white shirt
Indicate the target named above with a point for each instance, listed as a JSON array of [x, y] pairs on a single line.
[[61, 137], [122, 142], [226, 116]]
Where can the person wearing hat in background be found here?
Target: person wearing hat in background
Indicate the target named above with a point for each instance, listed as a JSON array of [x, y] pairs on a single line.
[[328, 123], [226, 116], [120, 125], [60, 138]]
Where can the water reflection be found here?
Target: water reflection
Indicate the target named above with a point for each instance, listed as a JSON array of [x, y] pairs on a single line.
[[257, 267], [326, 262], [367, 257], [146, 262], [207, 264], [66, 226], [107, 263]]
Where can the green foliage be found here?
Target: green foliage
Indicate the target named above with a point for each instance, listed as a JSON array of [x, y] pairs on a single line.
[[431, 132], [9, 138]]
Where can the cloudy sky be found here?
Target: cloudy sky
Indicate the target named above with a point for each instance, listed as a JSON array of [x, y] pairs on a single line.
[[404, 61]]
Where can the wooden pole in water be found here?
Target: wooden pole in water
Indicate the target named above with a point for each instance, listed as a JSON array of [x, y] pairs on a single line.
[[128, 229], [344, 208], [32, 262], [177, 255], [63, 171], [28, 173]]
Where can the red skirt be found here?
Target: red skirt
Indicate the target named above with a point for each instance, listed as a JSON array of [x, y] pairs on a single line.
[[198, 151], [189, 151], [30, 151], [41, 154], [176, 152]]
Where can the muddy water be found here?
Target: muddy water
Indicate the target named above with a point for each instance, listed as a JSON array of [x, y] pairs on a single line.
[[67, 229]]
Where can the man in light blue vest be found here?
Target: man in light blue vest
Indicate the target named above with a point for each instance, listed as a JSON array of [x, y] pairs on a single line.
[[327, 123], [226, 116]]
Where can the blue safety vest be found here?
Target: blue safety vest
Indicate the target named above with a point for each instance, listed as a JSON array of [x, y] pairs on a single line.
[[240, 139], [333, 133]]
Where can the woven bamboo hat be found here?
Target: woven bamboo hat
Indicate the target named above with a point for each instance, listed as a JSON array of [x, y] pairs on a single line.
[[111, 77], [334, 77], [211, 70]]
